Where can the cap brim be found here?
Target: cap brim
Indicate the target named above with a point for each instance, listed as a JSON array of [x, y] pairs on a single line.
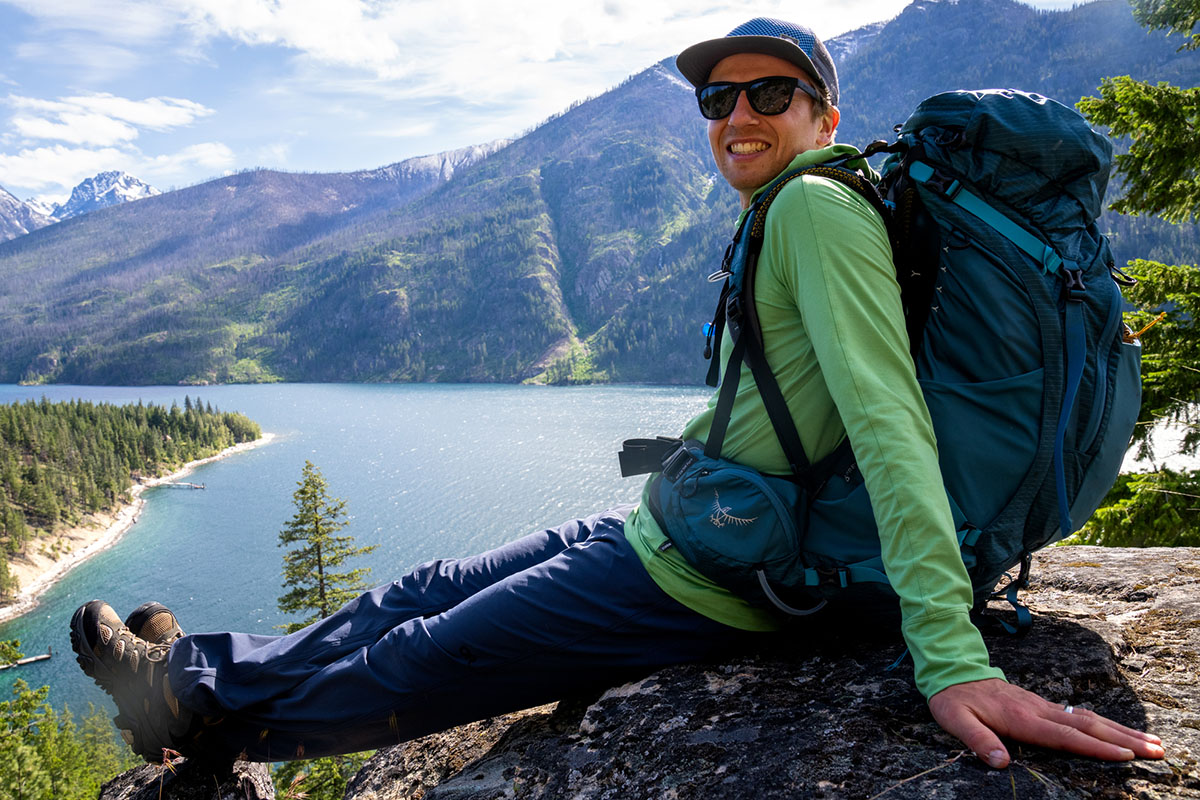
[[696, 62]]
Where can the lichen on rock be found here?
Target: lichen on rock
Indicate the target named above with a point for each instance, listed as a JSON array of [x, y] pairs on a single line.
[[818, 713]]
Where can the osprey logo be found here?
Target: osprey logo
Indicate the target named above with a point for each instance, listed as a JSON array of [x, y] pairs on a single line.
[[721, 516]]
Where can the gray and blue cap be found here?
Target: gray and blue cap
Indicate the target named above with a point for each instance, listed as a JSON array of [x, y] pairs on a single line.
[[772, 37]]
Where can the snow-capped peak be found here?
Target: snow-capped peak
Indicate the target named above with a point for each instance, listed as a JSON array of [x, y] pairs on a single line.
[[17, 218], [43, 207], [101, 191]]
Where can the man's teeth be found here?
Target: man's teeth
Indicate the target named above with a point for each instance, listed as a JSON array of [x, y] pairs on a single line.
[[741, 148]]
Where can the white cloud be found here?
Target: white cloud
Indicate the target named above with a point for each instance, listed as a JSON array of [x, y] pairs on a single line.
[[429, 74], [100, 119], [90, 60], [59, 166], [530, 58], [397, 38], [155, 113], [274, 154], [344, 32], [133, 20], [94, 129], [520, 59], [211, 156]]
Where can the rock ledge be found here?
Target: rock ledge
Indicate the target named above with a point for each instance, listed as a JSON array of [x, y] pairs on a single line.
[[1116, 630]]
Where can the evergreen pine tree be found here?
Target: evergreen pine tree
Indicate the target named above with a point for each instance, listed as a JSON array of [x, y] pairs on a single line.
[[43, 753], [1161, 176], [309, 568]]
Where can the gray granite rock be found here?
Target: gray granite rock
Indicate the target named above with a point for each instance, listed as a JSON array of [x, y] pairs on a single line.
[[1117, 631], [819, 714], [181, 780]]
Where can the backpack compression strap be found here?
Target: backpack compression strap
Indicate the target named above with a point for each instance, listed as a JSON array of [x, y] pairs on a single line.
[[1075, 337]]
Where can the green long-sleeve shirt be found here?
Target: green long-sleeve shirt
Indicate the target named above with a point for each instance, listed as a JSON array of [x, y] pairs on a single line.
[[833, 330]]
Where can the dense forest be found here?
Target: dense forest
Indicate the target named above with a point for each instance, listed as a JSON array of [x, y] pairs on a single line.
[[60, 461], [577, 252]]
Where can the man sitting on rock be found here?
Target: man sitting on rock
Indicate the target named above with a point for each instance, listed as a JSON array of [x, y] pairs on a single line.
[[606, 599]]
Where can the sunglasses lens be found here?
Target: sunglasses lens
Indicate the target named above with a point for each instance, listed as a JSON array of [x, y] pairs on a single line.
[[717, 100], [767, 96], [771, 96]]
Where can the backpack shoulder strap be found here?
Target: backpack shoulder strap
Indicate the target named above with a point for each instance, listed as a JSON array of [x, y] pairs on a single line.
[[741, 319], [835, 170]]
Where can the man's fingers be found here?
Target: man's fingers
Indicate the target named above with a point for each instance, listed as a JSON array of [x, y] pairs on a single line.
[[1104, 730], [980, 712], [961, 722], [1116, 726], [1080, 736]]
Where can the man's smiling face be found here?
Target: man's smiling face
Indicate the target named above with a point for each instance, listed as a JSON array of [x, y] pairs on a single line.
[[751, 148]]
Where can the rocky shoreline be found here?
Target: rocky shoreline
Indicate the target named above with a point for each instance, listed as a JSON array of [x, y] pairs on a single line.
[[37, 572]]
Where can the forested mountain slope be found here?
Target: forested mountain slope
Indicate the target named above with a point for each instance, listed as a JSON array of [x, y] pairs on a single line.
[[576, 252]]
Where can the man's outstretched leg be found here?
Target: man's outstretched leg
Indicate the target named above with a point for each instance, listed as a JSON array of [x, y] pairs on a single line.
[[585, 619], [561, 611], [127, 660]]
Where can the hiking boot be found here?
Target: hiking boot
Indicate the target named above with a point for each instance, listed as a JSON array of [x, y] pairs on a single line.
[[155, 623], [134, 672]]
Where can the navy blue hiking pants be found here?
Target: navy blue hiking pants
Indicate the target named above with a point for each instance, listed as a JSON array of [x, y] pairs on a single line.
[[555, 613]]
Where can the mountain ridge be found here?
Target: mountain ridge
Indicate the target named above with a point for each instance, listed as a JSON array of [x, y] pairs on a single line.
[[101, 191], [575, 252], [18, 218]]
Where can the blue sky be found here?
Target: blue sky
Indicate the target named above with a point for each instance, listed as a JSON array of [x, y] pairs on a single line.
[[179, 91]]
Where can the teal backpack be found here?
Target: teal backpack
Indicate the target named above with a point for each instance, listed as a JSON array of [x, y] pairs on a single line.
[[1013, 311]]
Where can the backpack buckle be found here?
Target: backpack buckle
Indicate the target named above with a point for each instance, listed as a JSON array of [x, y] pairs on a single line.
[[725, 271], [676, 462], [837, 577], [946, 185], [1073, 284]]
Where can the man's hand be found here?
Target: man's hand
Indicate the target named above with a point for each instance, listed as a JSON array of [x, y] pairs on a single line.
[[980, 712]]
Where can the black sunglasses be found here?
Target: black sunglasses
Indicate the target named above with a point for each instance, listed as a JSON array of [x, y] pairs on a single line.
[[768, 96]]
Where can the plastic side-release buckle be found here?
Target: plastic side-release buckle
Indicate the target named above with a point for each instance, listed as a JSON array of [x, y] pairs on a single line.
[[1024, 618], [676, 462], [836, 577], [940, 182], [1073, 284], [726, 266]]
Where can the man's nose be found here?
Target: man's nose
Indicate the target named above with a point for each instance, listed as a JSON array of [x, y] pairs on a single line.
[[742, 113]]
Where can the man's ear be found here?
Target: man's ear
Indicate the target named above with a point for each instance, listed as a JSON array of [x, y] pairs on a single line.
[[828, 127]]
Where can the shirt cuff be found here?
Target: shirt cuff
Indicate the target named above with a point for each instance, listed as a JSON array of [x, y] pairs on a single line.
[[947, 649]]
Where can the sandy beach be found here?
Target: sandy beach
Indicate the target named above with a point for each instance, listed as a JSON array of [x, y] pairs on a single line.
[[40, 567]]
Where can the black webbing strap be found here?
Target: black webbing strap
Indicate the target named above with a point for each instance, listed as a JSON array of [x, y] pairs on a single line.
[[777, 408], [712, 341], [736, 314], [729, 384], [639, 456]]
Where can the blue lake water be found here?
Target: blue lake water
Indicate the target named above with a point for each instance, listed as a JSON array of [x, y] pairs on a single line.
[[426, 471]]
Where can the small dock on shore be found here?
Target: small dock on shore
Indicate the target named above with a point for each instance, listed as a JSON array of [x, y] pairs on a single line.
[[30, 660], [170, 484]]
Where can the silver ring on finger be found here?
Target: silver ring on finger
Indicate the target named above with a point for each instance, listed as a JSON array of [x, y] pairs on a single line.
[[1069, 709]]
